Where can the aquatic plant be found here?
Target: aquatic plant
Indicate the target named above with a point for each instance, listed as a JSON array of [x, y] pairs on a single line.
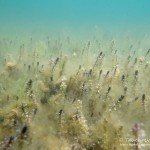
[[73, 99]]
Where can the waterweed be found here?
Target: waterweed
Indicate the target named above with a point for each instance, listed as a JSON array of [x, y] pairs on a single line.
[[84, 102]]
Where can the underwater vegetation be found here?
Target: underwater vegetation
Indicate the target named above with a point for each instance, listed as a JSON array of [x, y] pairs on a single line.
[[59, 94]]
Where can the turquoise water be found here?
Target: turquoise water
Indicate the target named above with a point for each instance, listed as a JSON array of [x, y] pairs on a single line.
[[74, 74], [33, 16]]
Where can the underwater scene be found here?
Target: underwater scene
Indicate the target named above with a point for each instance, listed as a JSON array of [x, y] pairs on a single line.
[[74, 75]]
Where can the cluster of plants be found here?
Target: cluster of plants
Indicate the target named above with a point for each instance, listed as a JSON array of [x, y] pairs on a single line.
[[67, 95]]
